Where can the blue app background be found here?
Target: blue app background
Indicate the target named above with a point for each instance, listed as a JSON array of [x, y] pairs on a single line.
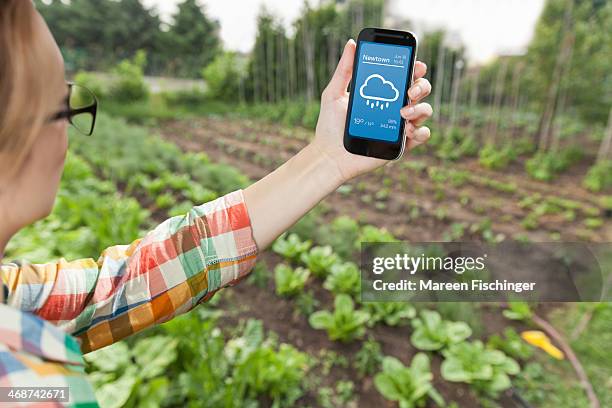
[[380, 86]]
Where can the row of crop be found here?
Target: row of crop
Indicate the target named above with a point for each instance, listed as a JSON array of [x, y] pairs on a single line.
[[485, 368], [188, 359], [452, 144], [460, 142], [378, 196], [132, 161]]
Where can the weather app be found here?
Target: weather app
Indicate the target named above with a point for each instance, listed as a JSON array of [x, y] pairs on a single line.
[[380, 86]]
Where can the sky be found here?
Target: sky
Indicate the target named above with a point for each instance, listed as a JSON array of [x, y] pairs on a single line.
[[486, 27]]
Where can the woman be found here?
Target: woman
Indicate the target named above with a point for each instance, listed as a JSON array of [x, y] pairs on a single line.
[[51, 313]]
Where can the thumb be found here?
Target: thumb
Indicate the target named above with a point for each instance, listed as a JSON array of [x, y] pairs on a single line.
[[342, 75]]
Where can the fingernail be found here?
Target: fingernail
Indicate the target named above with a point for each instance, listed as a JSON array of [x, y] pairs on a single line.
[[408, 112], [420, 135], [416, 91]]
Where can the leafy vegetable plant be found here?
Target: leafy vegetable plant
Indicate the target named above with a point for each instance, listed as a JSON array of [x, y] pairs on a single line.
[[431, 332], [290, 281], [485, 369], [132, 377], [390, 313], [344, 278], [409, 386], [511, 344], [291, 247], [319, 260], [345, 323]]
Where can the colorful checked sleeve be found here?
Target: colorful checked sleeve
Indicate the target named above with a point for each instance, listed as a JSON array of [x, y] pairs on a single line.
[[178, 265]]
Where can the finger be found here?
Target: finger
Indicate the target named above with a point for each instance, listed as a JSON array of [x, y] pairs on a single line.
[[342, 75], [420, 69], [419, 136], [419, 90], [417, 114]]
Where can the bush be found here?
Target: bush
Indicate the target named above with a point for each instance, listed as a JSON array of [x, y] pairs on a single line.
[[545, 166], [599, 176], [223, 77], [130, 85], [311, 115], [91, 82], [185, 98], [495, 157]]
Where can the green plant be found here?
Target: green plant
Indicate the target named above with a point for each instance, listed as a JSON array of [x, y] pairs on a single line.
[[485, 369], [344, 278], [344, 324], [92, 82], [125, 376], [494, 157], [370, 233], [319, 260], [511, 344], [165, 201], [431, 332], [260, 275], [599, 176], [223, 76], [291, 247], [130, 85], [339, 396], [409, 386], [390, 313], [341, 235], [311, 115], [306, 303], [546, 165], [369, 357], [518, 311], [290, 282]]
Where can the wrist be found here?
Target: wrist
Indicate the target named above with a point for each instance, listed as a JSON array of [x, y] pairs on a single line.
[[323, 167]]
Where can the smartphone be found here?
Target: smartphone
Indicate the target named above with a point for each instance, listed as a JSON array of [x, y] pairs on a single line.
[[382, 74]]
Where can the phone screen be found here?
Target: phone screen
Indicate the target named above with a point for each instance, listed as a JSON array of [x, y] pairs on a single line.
[[381, 79]]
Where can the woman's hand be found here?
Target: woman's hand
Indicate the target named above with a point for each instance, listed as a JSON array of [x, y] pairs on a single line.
[[334, 104]]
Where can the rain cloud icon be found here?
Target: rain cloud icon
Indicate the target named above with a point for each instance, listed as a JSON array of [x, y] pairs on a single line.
[[376, 90]]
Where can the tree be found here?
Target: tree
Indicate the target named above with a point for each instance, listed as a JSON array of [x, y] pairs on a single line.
[[96, 34], [192, 42], [590, 67]]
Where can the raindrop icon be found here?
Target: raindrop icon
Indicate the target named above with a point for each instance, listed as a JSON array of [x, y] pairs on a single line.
[[368, 102], [387, 105], [377, 104], [382, 107]]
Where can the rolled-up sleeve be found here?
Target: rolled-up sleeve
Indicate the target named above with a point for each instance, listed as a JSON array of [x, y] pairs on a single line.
[[176, 266]]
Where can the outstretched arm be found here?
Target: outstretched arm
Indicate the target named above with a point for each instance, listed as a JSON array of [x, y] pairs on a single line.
[[281, 198], [184, 261]]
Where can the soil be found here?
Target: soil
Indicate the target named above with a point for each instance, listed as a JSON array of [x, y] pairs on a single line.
[[417, 207], [257, 148]]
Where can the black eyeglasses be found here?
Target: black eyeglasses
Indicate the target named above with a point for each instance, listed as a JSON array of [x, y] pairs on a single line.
[[81, 109]]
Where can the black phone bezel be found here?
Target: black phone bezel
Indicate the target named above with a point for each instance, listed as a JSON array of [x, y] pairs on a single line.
[[368, 147]]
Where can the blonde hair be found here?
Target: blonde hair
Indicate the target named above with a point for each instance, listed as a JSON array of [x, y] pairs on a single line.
[[25, 98]]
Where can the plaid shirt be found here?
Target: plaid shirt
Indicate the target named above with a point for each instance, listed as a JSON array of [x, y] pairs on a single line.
[[178, 265]]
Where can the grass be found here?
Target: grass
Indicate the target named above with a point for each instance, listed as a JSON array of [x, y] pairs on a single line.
[[550, 383]]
